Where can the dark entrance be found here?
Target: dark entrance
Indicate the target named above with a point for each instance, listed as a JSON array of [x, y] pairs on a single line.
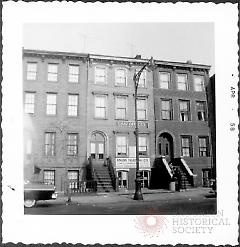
[[165, 146]]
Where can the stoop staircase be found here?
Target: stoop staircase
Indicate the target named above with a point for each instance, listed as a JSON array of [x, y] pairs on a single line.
[[103, 178], [186, 174]]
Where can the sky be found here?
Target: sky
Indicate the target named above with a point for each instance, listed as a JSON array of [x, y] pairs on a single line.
[[163, 40]]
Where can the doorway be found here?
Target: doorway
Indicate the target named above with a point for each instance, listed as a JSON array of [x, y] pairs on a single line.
[[165, 146], [97, 147]]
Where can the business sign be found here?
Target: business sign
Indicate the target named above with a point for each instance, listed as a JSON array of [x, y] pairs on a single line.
[[122, 163], [131, 124]]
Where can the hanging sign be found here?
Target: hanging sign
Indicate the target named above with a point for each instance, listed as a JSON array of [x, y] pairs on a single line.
[[122, 163], [131, 124]]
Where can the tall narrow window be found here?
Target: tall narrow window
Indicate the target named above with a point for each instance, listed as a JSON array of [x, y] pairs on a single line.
[[164, 80], [201, 110], [31, 71], [72, 105], [49, 177], [142, 109], [100, 106], [73, 73], [50, 143], [121, 107], [166, 109], [142, 80], [100, 75], [199, 83], [203, 146], [182, 82], [73, 178], [51, 104], [29, 102], [142, 145], [121, 77], [121, 145], [184, 108], [123, 179], [72, 144], [186, 146], [52, 72], [144, 176]]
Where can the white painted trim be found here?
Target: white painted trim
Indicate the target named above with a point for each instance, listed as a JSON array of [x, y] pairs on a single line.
[[186, 167], [167, 167]]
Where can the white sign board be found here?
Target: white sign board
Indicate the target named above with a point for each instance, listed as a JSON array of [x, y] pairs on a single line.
[[122, 163]]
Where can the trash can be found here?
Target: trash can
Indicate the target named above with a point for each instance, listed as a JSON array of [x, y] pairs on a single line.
[[172, 186]]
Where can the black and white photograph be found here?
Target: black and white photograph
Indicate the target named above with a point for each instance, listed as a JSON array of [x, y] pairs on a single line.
[[120, 123], [86, 111]]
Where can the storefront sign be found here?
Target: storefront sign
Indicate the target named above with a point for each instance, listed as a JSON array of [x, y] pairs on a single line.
[[131, 124], [122, 163]]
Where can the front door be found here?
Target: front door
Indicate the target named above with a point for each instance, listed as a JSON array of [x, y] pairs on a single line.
[[97, 150], [165, 147], [97, 147]]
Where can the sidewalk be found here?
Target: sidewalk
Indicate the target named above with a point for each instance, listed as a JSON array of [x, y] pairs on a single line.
[[127, 196]]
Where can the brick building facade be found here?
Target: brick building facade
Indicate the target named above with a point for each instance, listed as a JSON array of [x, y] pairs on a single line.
[[79, 111]]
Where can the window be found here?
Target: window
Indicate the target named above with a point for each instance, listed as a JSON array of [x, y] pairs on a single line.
[[166, 109], [199, 83], [142, 145], [51, 104], [206, 177], [73, 73], [186, 146], [201, 110], [203, 146], [121, 107], [100, 75], [72, 105], [182, 82], [123, 179], [49, 177], [29, 102], [184, 107], [73, 179], [142, 80], [164, 80], [50, 142], [144, 176], [121, 145], [120, 77], [100, 106], [31, 71], [52, 72], [72, 144], [142, 109]]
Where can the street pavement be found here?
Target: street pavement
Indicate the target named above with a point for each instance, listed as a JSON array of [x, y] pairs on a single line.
[[191, 201]]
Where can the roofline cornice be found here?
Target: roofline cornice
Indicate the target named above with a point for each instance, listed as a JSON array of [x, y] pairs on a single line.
[[112, 59]]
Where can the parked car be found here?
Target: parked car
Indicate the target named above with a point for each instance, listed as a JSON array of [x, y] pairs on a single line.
[[34, 192]]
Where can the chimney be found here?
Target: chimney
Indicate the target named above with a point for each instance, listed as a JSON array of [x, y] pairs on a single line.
[[138, 56]]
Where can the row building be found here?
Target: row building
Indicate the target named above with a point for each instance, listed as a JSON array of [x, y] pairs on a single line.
[[79, 121]]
